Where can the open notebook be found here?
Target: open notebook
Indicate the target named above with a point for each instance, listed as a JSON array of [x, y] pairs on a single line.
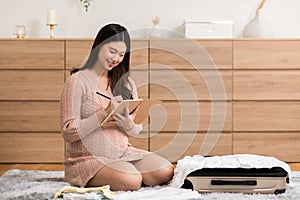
[[141, 106]]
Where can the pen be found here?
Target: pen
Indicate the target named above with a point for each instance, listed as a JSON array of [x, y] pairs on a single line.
[[103, 95]]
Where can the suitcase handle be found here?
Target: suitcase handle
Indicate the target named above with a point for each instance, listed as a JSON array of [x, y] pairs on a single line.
[[221, 182]]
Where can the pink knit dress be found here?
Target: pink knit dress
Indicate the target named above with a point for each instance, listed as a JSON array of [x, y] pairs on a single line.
[[90, 147]]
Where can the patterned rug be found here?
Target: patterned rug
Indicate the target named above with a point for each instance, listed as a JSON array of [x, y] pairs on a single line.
[[36, 184]]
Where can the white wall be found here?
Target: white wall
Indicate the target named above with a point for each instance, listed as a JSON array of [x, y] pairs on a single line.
[[73, 21]]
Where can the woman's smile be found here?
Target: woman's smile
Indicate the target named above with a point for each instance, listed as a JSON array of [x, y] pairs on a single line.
[[112, 64]]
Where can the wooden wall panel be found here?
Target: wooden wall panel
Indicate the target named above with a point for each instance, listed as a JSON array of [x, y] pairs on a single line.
[[284, 146], [30, 116], [183, 54], [31, 84], [31, 148], [266, 54], [266, 85], [191, 84], [182, 116], [32, 54], [176, 146], [266, 116]]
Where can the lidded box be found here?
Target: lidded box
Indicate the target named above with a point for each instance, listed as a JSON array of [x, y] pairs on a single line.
[[208, 29]]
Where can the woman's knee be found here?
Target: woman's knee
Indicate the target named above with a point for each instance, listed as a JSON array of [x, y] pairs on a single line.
[[119, 175], [158, 177], [130, 181], [117, 181], [168, 173]]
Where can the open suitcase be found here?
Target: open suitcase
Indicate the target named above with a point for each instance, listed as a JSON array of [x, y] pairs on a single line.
[[251, 180]]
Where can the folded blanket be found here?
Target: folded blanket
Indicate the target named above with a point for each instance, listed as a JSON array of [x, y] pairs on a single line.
[[104, 190], [189, 164]]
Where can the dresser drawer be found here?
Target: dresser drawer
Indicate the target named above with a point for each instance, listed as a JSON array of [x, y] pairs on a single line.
[[183, 116], [78, 50], [284, 146], [31, 148], [32, 54], [183, 54], [30, 116], [266, 116], [266, 85], [191, 84], [174, 146], [266, 54], [140, 141], [31, 84]]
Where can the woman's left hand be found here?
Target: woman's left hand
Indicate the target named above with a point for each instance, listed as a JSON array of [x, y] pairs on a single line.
[[124, 122]]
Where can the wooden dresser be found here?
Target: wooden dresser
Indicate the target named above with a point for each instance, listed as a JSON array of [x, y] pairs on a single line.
[[32, 74], [260, 76], [266, 98]]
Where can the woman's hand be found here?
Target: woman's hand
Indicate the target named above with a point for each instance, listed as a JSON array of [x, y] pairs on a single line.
[[115, 101], [124, 122]]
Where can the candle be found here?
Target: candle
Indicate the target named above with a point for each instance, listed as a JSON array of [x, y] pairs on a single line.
[[51, 16]]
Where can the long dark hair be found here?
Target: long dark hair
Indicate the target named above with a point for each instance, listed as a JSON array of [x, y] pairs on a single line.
[[118, 76]]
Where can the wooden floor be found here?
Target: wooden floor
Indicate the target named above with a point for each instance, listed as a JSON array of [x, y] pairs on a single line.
[[60, 167]]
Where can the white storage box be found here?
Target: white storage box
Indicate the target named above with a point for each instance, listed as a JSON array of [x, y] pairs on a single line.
[[208, 29]]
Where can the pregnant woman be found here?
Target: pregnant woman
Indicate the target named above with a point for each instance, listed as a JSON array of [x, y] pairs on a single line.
[[95, 155]]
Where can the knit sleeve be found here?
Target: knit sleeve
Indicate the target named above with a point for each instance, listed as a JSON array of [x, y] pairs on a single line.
[[137, 128], [73, 127]]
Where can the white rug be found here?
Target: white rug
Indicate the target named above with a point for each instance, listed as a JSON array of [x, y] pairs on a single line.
[[18, 184]]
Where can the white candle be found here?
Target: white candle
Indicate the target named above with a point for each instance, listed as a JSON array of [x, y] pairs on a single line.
[[51, 16]]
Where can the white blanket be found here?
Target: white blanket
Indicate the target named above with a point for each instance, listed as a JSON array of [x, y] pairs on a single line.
[[189, 164], [159, 193]]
